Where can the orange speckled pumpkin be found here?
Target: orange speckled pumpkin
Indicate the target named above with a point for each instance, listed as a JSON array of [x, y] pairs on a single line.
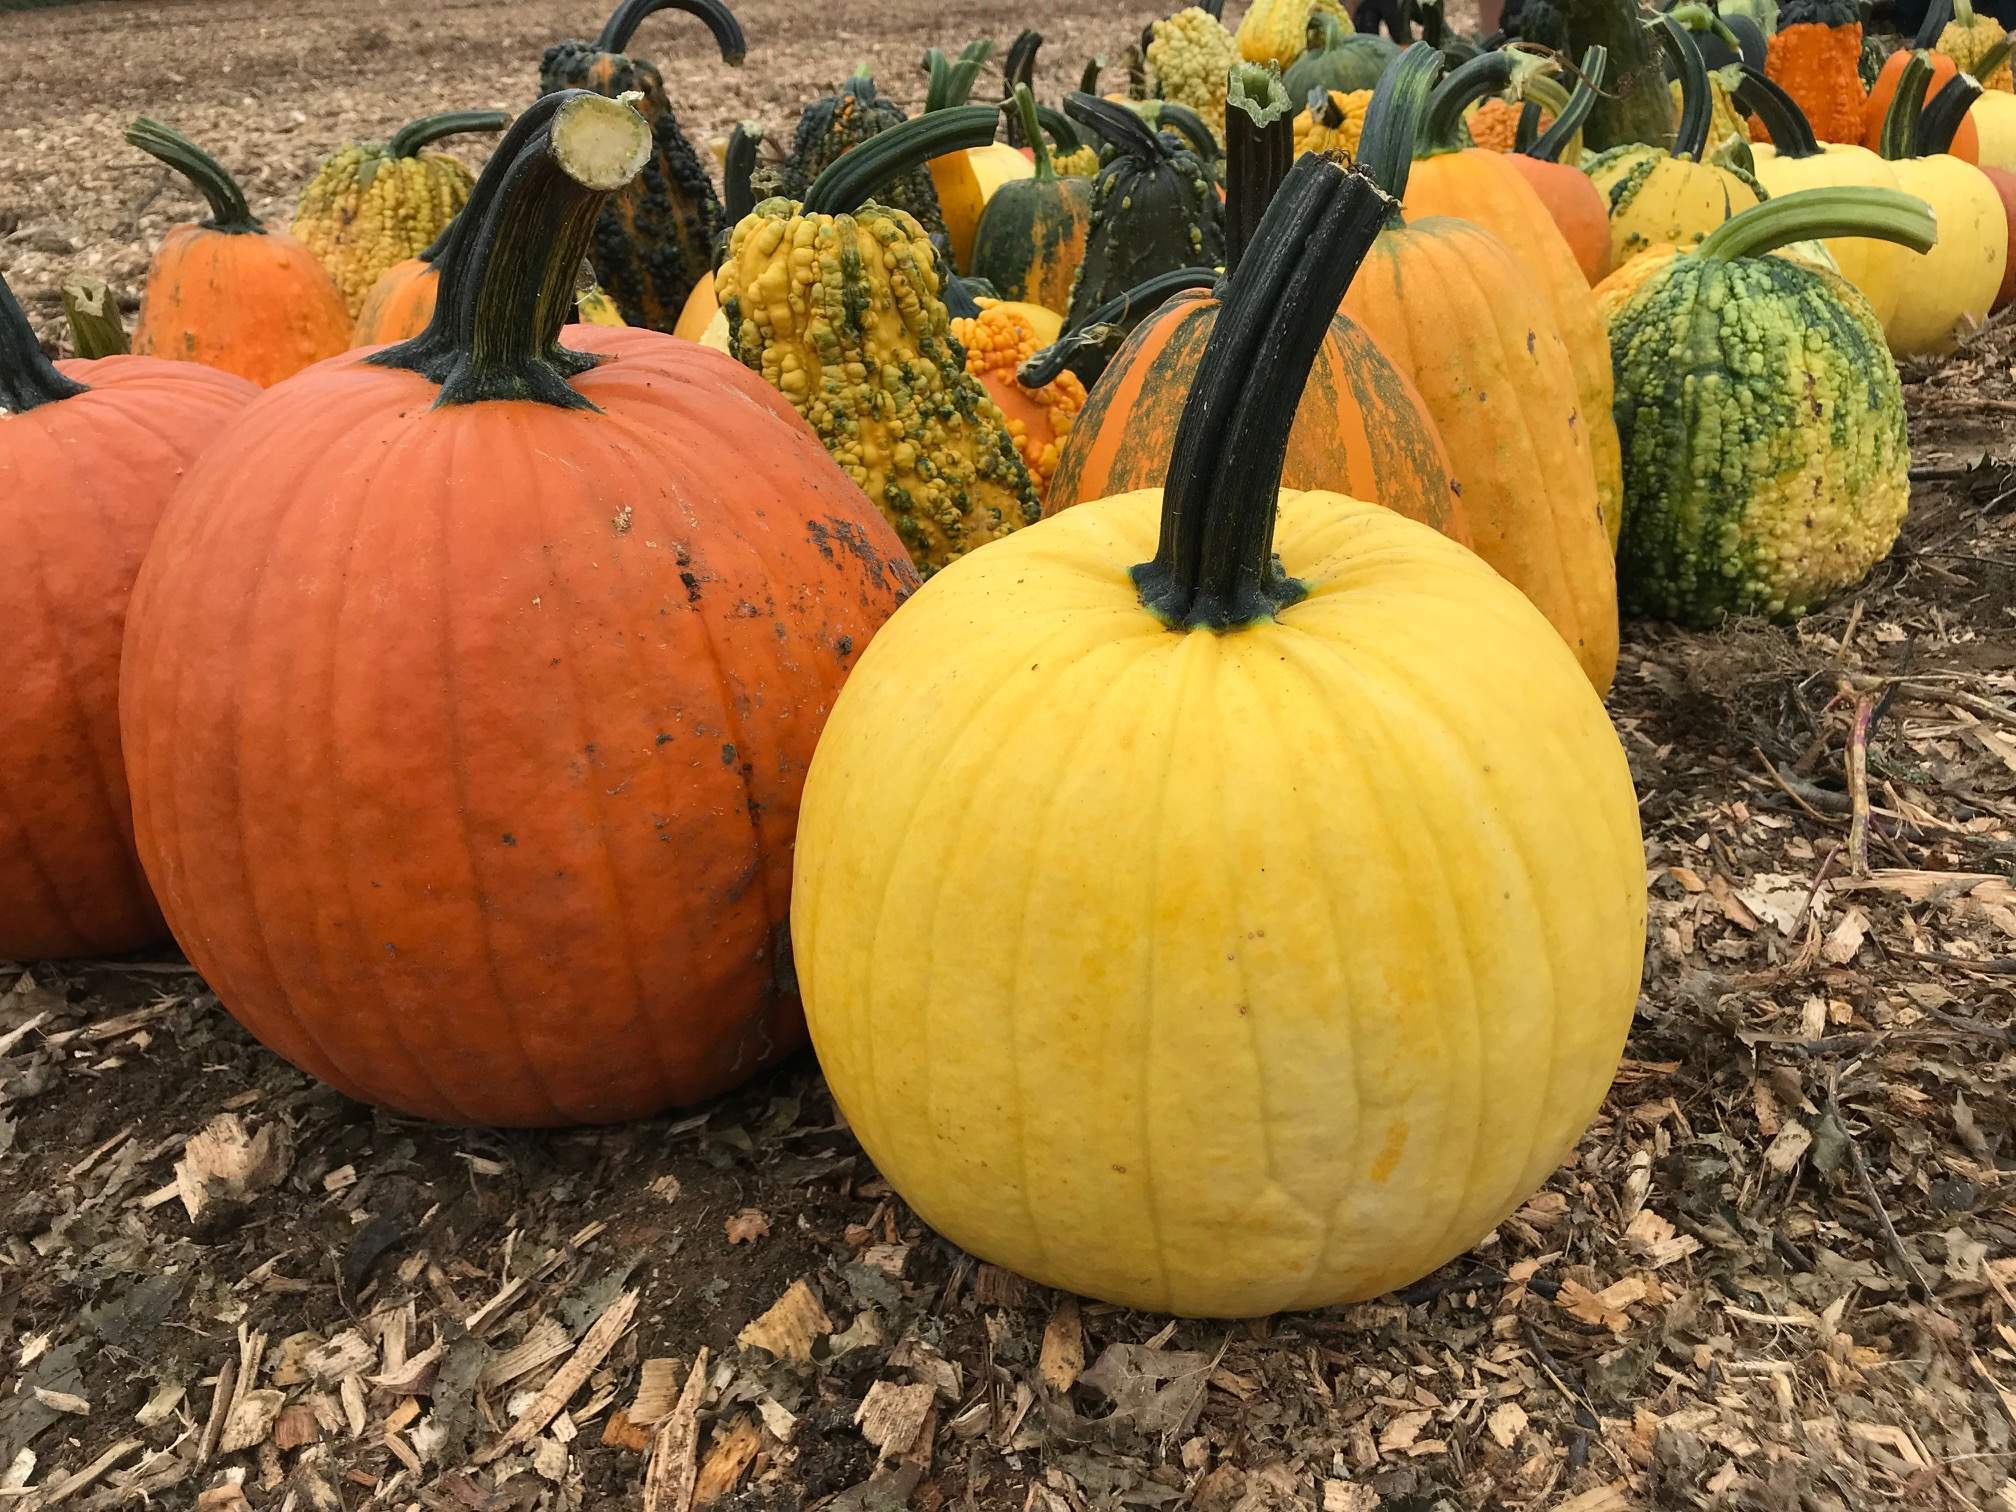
[[1492, 371], [89, 452], [229, 293], [469, 779]]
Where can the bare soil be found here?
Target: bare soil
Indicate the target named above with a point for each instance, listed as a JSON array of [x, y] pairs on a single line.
[[1776, 1274]]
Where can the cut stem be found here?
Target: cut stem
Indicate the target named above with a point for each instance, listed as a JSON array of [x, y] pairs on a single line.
[[622, 26], [508, 275], [1815, 214], [93, 312], [1697, 103], [228, 211], [1769, 101], [409, 139], [1115, 125], [853, 177], [1215, 568], [1942, 115], [1900, 121], [1259, 146], [1393, 119], [28, 379], [1568, 120]]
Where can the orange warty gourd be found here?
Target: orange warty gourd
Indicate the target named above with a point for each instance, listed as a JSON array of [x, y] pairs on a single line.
[[1570, 197], [89, 452], [228, 292], [1815, 56], [1484, 187], [1360, 429], [469, 778], [1492, 371]]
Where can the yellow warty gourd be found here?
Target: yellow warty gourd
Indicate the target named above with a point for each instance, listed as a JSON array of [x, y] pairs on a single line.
[[1190, 55], [1336, 129], [1276, 31]]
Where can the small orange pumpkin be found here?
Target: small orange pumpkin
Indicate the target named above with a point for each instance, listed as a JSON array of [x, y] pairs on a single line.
[[1568, 193], [471, 684], [89, 453], [228, 292], [401, 302]]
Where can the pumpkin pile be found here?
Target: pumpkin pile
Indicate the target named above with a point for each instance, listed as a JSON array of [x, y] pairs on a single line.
[[1064, 597]]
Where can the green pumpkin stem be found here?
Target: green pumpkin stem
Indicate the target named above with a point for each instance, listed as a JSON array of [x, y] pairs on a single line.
[[1393, 119], [409, 139], [1018, 66], [1116, 125], [1769, 101], [1697, 102], [1813, 214], [952, 82], [228, 211], [1568, 120], [1024, 112], [1214, 567], [1441, 128], [93, 313], [1937, 15], [1103, 329], [1259, 146], [1088, 77], [28, 379], [851, 179], [1527, 132], [738, 198], [622, 26], [1057, 126], [1900, 121], [508, 274], [1994, 58], [1942, 115]]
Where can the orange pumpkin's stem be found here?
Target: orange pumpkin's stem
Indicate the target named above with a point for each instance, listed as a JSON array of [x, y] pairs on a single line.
[[508, 271], [228, 211], [1215, 568], [622, 26], [1393, 121], [28, 379]]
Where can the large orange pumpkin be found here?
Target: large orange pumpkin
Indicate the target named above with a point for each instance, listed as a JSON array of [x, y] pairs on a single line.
[[229, 293], [1360, 428], [471, 684], [1492, 371], [1485, 187], [89, 452]]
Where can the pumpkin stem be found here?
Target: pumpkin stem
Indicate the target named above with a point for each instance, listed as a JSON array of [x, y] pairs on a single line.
[[1484, 75], [1811, 214], [1215, 568], [1697, 104], [28, 378], [228, 211], [1097, 335], [1698, 19], [1393, 120], [1900, 121], [1527, 131], [1057, 126], [1994, 58], [409, 139], [1768, 100], [622, 26], [1942, 115], [1323, 108], [1018, 66], [1751, 46], [952, 83], [1186, 123], [1088, 77], [1024, 114], [1569, 118], [95, 328], [508, 274], [433, 250], [737, 166], [853, 177], [1937, 15], [1259, 146], [1116, 125]]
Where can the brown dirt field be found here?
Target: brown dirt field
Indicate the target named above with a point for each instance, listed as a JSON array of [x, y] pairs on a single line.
[[1776, 1274]]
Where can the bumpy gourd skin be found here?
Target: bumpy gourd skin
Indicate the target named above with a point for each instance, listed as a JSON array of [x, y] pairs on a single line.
[[1190, 55], [998, 340], [1313, 134], [1277, 31], [1765, 456], [1816, 55], [366, 210], [1147, 218], [841, 314], [1967, 42], [655, 237], [1655, 197], [831, 126], [1725, 120]]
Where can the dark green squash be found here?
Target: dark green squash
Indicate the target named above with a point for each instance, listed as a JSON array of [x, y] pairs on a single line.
[[1031, 236], [654, 240], [828, 128], [1155, 207], [1337, 60]]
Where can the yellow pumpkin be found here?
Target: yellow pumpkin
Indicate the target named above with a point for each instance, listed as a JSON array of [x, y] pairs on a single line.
[[1994, 118], [1277, 31], [966, 179], [1205, 939]]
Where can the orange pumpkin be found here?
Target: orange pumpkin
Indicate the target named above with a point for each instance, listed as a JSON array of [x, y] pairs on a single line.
[[1493, 373], [89, 452], [2005, 187], [471, 684], [229, 293], [401, 302], [1966, 139], [1486, 188], [1568, 193]]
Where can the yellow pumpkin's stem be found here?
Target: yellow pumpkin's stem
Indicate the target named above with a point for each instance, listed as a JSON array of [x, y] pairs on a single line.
[[1214, 567]]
